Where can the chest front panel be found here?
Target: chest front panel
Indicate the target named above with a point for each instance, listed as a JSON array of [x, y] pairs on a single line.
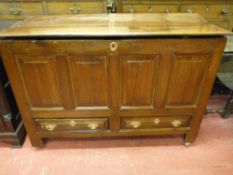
[[89, 79]]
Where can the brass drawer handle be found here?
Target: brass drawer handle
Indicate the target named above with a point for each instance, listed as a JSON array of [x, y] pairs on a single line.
[[189, 10], [135, 124], [49, 126], [224, 12], [75, 9], [93, 125], [150, 9], [167, 11], [131, 10], [73, 123], [14, 10], [156, 121], [176, 123], [113, 46]]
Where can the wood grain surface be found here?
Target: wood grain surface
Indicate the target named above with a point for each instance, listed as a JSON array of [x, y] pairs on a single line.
[[110, 25]]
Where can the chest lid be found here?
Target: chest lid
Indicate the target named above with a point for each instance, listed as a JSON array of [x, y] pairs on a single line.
[[113, 25]]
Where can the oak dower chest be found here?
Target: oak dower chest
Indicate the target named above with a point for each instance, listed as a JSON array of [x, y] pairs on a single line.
[[112, 74]]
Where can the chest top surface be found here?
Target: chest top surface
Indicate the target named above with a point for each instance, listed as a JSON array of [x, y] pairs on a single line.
[[113, 25]]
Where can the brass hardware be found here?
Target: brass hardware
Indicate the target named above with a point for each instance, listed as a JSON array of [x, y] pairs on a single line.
[[14, 10], [167, 11], [73, 123], [49, 126], [156, 121], [135, 124], [224, 12], [75, 9], [113, 46], [93, 125], [176, 123], [111, 6], [131, 10], [187, 144], [150, 9], [189, 10]]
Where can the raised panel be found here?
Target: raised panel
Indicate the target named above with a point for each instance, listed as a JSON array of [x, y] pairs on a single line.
[[39, 77], [138, 79], [186, 79], [90, 82]]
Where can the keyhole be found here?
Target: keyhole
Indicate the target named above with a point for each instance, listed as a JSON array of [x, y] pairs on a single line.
[[113, 46]]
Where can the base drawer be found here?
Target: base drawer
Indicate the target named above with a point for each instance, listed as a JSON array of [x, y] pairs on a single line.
[[72, 124], [155, 122]]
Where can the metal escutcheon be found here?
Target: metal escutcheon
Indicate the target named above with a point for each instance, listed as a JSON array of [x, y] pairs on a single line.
[[113, 46]]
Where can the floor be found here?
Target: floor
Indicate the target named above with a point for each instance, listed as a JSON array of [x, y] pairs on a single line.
[[211, 154]]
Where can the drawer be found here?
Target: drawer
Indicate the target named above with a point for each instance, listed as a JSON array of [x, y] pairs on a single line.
[[72, 124], [209, 11], [154, 122], [75, 8], [21, 8], [149, 8]]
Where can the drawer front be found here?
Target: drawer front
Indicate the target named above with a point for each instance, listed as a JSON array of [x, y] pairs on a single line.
[[209, 11], [75, 8], [149, 8], [155, 122], [21, 8], [72, 124]]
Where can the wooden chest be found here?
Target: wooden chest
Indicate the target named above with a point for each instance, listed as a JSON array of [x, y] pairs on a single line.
[[112, 75]]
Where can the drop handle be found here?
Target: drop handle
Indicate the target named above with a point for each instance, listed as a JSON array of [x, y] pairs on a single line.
[[135, 124], [189, 10], [176, 123], [224, 12], [14, 10], [93, 125], [167, 11], [75, 9], [150, 9], [49, 126], [131, 10]]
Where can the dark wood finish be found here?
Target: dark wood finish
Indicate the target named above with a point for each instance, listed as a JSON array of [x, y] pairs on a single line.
[[112, 86]]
